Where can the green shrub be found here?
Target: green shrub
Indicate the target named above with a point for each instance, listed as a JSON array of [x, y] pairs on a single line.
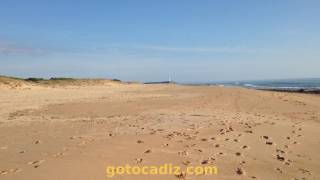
[[36, 80]]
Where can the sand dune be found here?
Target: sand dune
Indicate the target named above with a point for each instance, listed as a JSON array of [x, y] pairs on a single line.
[[74, 132]]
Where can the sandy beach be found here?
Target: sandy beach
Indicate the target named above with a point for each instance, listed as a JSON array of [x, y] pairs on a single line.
[[75, 131]]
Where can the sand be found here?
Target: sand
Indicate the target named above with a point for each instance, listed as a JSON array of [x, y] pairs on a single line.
[[75, 132]]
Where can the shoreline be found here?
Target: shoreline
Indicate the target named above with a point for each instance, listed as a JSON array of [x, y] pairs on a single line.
[[303, 91]]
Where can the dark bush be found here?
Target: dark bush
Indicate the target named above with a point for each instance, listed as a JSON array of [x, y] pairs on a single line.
[[36, 80], [60, 79], [116, 80]]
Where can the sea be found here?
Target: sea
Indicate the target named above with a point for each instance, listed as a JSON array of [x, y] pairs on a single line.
[[308, 84], [301, 85]]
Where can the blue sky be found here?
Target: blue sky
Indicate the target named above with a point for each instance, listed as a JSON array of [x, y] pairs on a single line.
[[191, 41]]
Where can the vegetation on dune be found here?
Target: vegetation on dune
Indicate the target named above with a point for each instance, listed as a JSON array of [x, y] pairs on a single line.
[[118, 80], [53, 81], [36, 80], [60, 78]]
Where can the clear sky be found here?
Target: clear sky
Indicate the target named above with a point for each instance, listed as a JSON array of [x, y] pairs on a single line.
[[150, 40]]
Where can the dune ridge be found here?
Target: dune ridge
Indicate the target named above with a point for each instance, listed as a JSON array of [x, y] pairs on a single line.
[[13, 82]]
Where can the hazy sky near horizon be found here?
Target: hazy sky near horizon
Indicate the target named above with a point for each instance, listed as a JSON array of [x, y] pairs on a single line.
[[144, 40]]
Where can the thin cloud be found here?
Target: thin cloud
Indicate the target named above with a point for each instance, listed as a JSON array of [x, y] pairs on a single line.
[[13, 49], [195, 49]]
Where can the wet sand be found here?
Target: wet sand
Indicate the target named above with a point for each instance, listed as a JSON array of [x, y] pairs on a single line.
[[74, 132]]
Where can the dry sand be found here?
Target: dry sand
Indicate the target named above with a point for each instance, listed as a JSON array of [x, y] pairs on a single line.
[[74, 132]]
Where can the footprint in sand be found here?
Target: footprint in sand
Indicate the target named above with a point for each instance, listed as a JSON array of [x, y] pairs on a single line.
[[140, 142], [279, 170], [204, 139], [205, 162], [14, 170], [147, 151], [182, 175], [59, 154], [199, 150], [165, 145], [138, 160], [245, 147], [240, 171], [186, 163], [288, 137], [3, 172], [248, 131], [288, 162], [36, 164], [280, 158], [269, 143], [280, 151], [182, 153], [304, 171]]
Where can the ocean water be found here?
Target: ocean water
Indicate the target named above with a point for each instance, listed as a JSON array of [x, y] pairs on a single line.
[[311, 84]]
